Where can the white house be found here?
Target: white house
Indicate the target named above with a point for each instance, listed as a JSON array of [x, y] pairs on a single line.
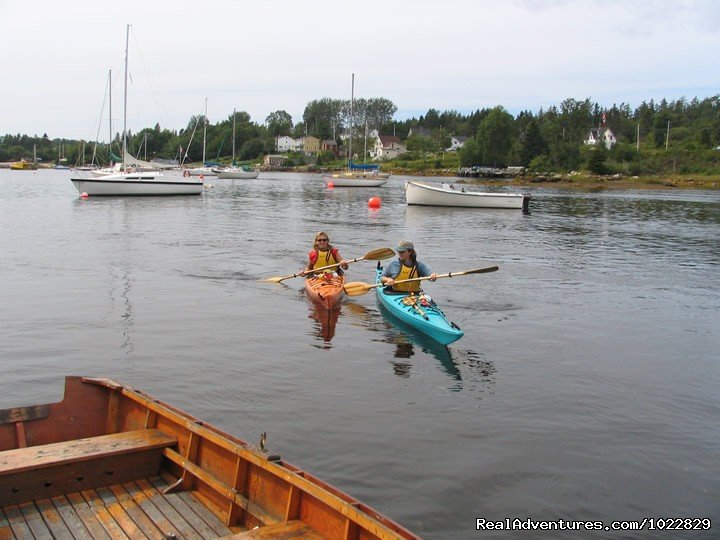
[[601, 134], [457, 142], [283, 143], [388, 147]]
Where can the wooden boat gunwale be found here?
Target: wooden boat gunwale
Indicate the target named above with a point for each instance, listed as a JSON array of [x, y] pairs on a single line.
[[198, 443]]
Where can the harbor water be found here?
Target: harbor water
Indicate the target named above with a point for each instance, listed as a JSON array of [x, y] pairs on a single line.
[[585, 387]]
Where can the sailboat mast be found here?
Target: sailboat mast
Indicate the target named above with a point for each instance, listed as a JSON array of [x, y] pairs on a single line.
[[127, 41], [352, 100], [110, 115], [233, 160], [204, 130]]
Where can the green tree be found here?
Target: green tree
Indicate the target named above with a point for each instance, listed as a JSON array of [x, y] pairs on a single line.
[[597, 159], [495, 137], [279, 123], [532, 144]]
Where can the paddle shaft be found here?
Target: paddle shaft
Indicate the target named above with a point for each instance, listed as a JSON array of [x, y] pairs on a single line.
[[449, 274], [374, 255], [357, 288]]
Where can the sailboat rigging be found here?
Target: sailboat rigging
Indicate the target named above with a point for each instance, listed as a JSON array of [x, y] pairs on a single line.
[[356, 175], [128, 179], [235, 171]]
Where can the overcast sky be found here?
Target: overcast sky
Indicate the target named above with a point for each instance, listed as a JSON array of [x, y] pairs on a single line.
[[266, 55]]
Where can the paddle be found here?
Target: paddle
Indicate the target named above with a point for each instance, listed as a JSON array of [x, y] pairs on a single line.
[[375, 255], [358, 288]]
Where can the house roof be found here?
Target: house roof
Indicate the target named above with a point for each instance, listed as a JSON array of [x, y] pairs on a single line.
[[387, 140]]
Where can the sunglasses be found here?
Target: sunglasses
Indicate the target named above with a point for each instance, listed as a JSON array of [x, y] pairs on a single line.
[[322, 239]]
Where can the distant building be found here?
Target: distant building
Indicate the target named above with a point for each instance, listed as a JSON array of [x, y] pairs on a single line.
[[388, 147], [308, 144], [273, 160], [283, 143], [602, 134], [457, 142], [329, 145]]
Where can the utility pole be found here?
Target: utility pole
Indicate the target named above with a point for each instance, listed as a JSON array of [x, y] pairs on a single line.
[[637, 138], [667, 136]]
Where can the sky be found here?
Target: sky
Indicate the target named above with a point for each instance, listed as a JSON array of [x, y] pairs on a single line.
[[262, 56]]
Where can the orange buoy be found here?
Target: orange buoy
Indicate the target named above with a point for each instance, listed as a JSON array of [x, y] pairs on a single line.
[[330, 185], [374, 202], [84, 195]]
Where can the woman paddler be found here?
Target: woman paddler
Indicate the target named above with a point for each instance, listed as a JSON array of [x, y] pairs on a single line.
[[405, 267], [324, 254]]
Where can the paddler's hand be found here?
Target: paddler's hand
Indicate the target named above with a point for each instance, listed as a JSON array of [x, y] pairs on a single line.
[[388, 281], [344, 265], [433, 276]]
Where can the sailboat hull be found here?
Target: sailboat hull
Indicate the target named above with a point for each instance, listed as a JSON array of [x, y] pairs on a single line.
[[138, 184]]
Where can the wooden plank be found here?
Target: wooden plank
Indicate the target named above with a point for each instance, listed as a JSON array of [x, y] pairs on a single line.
[[102, 512], [23, 414], [97, 507], [75, 503], [293, 529], [5, 530], [18, 525], [202, 528], [35, 457], [164, 507], [135, 511], [34, 520], [55, 523], [121, 516]]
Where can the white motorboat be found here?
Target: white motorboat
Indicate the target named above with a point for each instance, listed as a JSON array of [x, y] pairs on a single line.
[[129, 178], [426, 195]]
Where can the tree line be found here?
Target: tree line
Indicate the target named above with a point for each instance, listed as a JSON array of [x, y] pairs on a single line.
[[656, 137]]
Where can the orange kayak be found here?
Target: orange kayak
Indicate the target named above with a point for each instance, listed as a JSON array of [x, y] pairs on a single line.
[[326, 289]]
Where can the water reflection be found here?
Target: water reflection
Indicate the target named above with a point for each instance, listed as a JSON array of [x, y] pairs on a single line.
[[407, 339], [325, 321], [119, 293]]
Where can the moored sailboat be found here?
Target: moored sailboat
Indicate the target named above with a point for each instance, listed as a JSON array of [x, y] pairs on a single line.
[[126, 179], [356, 175]]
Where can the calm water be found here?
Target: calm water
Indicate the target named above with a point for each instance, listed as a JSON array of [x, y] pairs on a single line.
[[586, 386]]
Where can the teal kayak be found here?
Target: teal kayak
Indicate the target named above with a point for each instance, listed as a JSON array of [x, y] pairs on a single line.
[[419, 311]]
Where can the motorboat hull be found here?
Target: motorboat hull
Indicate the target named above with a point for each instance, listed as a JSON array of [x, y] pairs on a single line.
[[426, 195]]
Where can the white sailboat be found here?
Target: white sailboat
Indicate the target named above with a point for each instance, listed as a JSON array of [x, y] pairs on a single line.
[[356, 175], [127, 180], [235, 171], [203, 170]]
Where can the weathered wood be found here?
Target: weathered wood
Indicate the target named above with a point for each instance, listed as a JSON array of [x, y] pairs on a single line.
[[96, 505], [34, 520], [122, 518], [187, 511], [58, 468], [48, 455], [288, 530], [56, 524], [136, 513], [83, 514], [18, 525], [23, 414]]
